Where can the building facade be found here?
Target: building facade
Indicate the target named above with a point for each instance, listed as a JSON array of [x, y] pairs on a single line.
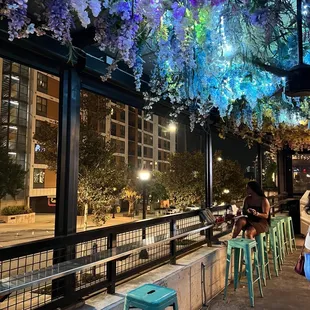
[[30, 97]]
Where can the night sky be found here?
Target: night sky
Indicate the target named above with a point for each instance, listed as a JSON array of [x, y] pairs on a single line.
[[232, 147]]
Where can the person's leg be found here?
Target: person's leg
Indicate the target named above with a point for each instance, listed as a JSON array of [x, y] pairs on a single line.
[[241, 223], [250, 233]]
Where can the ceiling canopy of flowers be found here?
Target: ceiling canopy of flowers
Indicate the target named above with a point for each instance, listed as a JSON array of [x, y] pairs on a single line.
[[246, 59]]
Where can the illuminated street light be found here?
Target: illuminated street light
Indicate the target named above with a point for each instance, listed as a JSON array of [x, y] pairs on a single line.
[[219, 159], [172, 127], [226, 191], [144, 175]]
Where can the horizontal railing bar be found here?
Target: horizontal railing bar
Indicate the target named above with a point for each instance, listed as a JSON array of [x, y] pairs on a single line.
[[55, 243], [83, 263]]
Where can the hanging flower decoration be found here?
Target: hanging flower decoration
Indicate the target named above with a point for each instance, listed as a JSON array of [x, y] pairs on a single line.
[[204, 51]]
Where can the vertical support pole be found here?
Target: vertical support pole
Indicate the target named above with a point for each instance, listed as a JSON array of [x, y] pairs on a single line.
[[111, 266], [208, 169], [144, 200], [259, 165], [289, 173], [173, 243], [208, 179], [67, 173]]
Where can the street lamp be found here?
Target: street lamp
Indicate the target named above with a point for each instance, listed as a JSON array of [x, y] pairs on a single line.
[[144, 176], [172, 127], [219, 159]]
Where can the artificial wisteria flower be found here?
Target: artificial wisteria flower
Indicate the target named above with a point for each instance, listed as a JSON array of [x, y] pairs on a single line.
[[95, 7], [80, 6], [16, 12], [59, 20]]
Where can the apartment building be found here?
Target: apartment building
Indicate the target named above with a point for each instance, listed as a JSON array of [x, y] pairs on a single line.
[[29, 97]]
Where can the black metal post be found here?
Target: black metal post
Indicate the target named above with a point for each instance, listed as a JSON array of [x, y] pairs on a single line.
[[144, 199], [299, 31], [259, 165], [111, 266], [67, 173], [289, 173], [173, 243], [208, 180], [208, 169]]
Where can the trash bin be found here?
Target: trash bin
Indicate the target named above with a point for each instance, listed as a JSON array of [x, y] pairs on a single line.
[[294, 212]]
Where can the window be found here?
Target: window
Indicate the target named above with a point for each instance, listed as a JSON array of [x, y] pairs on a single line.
[[122, 131], [132, 119], [37, 151], [38, 178], [148, 152], [41, 106], [164, 144], [119, 146], [113, 129], [42, 83], [148, 126], [148, 139], [132, 134], [123, 116], [139, 151], [163, 133]]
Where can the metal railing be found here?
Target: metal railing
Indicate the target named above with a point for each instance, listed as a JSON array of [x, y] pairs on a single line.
[[93, 260]]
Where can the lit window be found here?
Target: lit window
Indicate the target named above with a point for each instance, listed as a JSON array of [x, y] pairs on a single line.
[[41, 106], [42, 82], [38, 178]]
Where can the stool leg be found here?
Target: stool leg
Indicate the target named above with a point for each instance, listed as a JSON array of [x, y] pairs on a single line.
[[289, 235], [265, 242], [249, 274], [293, 234], [227, 269], [286, 238], [126, 305], [273, 247], [256, 263], [236, 267], [261, 257], [175, 306]]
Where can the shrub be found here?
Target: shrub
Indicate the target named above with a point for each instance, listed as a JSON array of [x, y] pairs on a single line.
[[15, 210]]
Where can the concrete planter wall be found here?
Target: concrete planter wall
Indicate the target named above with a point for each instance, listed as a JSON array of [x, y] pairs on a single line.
[[28, 218]]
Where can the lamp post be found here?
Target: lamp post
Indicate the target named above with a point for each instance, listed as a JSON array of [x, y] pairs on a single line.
[[144, 176]]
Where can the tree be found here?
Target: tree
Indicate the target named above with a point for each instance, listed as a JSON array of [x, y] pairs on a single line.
[[228, 180], [269, 171], [155, 187], [185, 179], [101, 179], [12, 175]]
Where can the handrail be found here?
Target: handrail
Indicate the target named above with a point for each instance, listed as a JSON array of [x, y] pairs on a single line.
[[59, 270]]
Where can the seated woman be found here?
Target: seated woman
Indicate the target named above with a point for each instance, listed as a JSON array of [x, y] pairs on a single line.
[[257, 209]]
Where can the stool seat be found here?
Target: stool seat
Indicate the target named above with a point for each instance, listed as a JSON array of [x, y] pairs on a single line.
[[151, 297]]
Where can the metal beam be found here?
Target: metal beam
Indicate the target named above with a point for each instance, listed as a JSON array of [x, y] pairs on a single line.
[[208, 169], [259, 165], [67, 173]]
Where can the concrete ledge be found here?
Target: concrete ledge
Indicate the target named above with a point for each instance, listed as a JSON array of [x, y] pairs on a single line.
[[28, 218], [185, 278]]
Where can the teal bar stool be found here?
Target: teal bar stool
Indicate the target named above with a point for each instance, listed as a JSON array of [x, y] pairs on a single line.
[[289, 233], [246, 246], [280, 238], [151, 297], [263, 259], [273, 242]]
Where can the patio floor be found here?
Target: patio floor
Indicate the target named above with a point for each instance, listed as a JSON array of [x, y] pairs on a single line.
[[288, 291]]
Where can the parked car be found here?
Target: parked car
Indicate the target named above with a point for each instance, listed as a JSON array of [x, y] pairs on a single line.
[[173, 210], [192, 208]]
